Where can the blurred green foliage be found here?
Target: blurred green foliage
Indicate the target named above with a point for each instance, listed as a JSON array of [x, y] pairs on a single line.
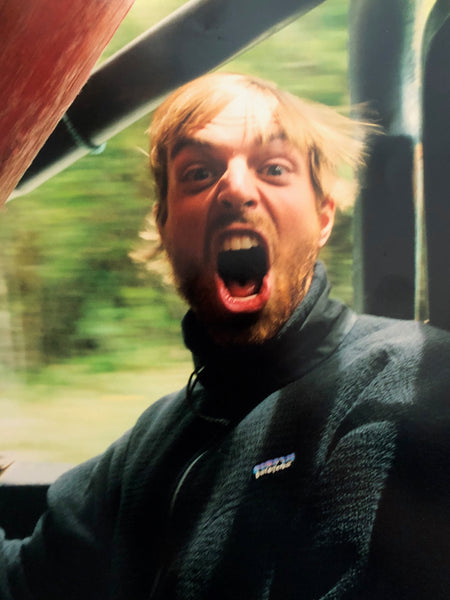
[[72, 293]]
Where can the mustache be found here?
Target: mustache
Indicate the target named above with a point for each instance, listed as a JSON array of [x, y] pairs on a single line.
[[226, 220]]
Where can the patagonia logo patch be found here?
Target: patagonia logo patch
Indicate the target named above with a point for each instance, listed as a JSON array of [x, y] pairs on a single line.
[[273, 465]]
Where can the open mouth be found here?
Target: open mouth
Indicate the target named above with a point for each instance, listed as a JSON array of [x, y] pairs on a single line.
[[243, 270], [242, 267]]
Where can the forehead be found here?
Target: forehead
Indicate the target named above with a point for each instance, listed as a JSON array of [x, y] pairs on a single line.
[[247, 119], [249, 113]]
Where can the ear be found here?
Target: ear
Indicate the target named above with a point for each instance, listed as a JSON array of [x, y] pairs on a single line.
[[326, 220]]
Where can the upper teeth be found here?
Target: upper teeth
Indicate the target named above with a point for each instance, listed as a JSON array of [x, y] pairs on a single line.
[[238, 242]]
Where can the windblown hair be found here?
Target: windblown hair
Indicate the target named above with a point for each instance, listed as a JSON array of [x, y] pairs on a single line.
[[329, 140]]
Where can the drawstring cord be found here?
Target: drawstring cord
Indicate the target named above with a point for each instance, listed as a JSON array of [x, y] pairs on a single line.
[[190, 387]]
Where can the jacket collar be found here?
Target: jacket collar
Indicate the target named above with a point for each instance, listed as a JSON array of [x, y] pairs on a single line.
[[313, 332]]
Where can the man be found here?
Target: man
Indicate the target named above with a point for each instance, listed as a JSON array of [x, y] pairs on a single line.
[[308, 456]]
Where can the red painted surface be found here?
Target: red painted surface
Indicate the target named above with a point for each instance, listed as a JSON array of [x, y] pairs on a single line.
[[47, 51]]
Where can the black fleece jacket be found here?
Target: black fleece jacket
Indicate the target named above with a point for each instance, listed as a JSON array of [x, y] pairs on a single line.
[[316, 466]]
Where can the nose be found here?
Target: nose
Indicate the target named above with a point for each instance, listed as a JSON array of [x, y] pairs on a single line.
[[237, 186]]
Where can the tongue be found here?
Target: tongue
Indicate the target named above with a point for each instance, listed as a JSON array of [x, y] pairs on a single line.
[[239, 290]]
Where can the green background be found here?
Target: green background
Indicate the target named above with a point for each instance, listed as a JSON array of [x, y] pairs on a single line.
[[89, 338]]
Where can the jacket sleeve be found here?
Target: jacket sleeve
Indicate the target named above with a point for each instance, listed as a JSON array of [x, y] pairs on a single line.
[[410, 549], [68, 554]]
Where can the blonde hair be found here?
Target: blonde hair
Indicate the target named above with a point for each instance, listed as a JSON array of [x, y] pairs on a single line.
[[329, 140]]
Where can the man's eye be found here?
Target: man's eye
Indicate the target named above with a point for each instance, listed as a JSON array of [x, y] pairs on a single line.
[[274, 170], [198, 174]]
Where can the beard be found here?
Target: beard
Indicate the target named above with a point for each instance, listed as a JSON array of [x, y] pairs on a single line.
[[290, 286]]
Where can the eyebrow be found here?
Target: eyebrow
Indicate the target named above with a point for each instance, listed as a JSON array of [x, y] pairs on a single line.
[[185, 142]]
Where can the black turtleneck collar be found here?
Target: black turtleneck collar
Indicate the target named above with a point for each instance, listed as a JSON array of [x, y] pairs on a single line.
[[250, 373]]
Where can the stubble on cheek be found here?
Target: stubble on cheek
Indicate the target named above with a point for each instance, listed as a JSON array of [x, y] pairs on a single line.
[[289, 293]]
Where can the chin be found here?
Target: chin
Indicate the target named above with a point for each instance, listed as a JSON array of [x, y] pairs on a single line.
[[251, 329], [230, 327]]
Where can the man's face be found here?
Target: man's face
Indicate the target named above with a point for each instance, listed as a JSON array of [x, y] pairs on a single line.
[[243, 229]]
